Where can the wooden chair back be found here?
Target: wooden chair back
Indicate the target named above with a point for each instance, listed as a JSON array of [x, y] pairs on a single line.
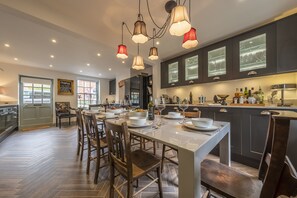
[[275, 167], [93, 134], [79, 119], [192, 114], [119, 146]]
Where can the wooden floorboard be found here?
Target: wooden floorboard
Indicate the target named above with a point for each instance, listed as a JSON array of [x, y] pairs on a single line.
[[43, 164]]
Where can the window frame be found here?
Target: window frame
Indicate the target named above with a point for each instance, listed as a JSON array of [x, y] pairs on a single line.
[[81, 103]]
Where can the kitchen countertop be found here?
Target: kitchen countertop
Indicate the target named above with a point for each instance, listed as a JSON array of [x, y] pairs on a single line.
[[294, 107]]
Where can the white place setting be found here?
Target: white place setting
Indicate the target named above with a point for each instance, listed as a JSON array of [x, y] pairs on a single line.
[[174, 116], [201, 124]]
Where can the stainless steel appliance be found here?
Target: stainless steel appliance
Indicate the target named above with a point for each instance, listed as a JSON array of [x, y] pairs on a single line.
[[283, 88]]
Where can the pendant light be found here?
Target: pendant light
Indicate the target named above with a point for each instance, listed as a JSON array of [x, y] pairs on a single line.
[[190, 38], [179, 23], [139, 33], [153, 55], [138, 61], [122, 49]]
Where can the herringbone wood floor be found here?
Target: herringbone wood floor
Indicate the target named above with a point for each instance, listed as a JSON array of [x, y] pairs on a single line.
[[43, 164]]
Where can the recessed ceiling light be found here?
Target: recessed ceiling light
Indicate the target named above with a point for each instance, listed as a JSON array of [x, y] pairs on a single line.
[[157, 43], [52, 56], [88, 64], [109, 69], [99, 74], [6, 45], [80, 71], [98, 54], [16, 59], [54, 41], [123, 62], [50, 65]]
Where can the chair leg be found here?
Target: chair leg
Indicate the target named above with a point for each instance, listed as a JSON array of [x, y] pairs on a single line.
[[163, 155], [89, 158], [82, 148], [97, 166], [59, 122], [69, 121], [56, 121], [129, 189], [159, 182], [78, 141], [154, 147], [111, 189]]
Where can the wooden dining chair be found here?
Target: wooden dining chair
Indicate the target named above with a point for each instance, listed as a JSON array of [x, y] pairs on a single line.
[[167, 148], [81, 134], [276, 176], [96, 143], [131, 165], [63, 110]]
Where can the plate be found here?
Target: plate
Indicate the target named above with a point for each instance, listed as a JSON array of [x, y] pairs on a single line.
[[148, 123], [173, 118], [191, 126]]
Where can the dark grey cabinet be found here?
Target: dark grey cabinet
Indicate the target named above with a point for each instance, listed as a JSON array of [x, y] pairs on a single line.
[[171, 73], [8, 120], [217, 61], [254, 52], [112, 87], [287, 44]]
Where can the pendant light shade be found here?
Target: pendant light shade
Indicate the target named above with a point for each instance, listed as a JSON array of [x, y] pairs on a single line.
[[190, 39], [179, 23], [140, 33], [122, 52], [153, 55], [138, 63]]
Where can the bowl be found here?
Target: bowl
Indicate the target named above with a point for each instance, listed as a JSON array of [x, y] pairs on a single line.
[[139, 121], [174, 114], [202, 122]]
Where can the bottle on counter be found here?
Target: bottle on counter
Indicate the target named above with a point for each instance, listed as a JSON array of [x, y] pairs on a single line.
[[261, 95], [245, 95], [151, 109], [236, 96], [191, 98]]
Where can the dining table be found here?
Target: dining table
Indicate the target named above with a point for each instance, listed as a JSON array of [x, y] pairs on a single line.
[[193, 146]]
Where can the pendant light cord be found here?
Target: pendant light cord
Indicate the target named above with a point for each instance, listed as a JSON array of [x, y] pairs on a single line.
[[189, 9], [123, 32], [137, 48]]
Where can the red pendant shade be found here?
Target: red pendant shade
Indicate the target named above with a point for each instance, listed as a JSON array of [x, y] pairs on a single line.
[[190, 39], [122, 52]]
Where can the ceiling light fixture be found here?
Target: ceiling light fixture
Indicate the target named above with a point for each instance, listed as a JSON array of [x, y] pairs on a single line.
[[109, 69], [52, 56], [153, 55], [190, 38], [54, 41], [122, 49], [50, 65], [88, 64], [138, 63], [6, 45], [98, 54], [177, 21], [16, 59], [80, 71]]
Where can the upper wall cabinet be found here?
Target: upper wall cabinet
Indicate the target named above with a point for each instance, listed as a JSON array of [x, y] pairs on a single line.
[[217, 59], [192, 68], [254, 52], [171, 73], [287, 44]]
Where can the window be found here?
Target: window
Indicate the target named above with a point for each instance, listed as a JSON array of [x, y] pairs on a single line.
[[87, 93], [35, 93]]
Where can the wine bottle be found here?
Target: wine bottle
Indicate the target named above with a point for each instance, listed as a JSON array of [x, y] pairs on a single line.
[[151, 109], [191, 98]]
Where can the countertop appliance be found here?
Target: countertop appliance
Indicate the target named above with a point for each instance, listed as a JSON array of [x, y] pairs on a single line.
[[283, 87], [221, 99]]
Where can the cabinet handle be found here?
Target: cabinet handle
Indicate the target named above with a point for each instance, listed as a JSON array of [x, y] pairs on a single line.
[[190, 82], [251, 73], [172, 84], [223, 110], [196, 109], [265, 113], [217, 78]]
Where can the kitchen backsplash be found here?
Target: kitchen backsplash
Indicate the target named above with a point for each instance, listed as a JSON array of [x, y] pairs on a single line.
[[229, 87]]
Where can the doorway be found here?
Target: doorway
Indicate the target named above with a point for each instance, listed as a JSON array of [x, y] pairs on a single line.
[[36, 102]]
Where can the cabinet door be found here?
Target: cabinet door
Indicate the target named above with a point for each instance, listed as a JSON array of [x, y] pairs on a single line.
[[254, 131], [217, 59], [171, 73], [112, 87], [192, 68], [287, 44], [254, 52], [234, 117]]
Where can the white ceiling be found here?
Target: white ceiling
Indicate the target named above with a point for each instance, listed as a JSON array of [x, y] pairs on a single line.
[[84, 28]]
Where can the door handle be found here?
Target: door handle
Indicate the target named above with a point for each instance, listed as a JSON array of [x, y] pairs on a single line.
[[265, 113], [223, 110], [251, 73], [216, 78]]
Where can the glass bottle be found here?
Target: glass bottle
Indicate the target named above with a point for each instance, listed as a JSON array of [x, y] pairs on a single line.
[[151, 109], [191, 98]]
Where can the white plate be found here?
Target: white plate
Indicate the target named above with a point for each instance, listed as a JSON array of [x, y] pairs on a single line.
[[173, 117], [147, 123], [191, 126], [108, 117]]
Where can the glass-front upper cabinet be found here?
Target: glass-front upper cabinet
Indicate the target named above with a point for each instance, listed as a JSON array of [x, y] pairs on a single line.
[[191, 67], [171, 73], [218, 59], [255, 52]]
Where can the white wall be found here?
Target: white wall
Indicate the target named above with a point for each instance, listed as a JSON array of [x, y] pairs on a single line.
[[9, 79]]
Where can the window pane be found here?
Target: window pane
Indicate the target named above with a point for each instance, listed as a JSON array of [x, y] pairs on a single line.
[[86, 93]]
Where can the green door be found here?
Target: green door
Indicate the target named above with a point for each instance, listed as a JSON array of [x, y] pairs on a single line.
[[36, 102]]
